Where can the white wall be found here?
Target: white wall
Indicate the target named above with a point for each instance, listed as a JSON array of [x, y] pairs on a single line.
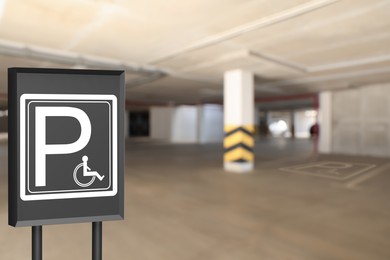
[[360, 121], [303, 120], [161, 122], [210, 124], [184, 125], [187, 124]]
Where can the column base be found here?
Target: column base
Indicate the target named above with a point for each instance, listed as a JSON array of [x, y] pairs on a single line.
[[238, 167]]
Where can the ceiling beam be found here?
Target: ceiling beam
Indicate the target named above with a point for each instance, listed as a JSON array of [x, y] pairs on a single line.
[[248, 27], [331, 77], [17, 49]]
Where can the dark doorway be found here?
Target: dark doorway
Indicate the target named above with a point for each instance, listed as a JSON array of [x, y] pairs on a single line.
[[139, 123], [3, 124]]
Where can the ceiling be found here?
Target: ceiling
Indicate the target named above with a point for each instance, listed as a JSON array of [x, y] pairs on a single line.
[[177, 51]]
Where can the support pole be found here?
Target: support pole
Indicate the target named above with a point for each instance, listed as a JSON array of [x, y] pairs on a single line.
[[37, 243], [97, 231]]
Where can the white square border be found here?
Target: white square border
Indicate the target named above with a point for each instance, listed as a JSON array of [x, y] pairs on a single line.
[[28, 134], [22, 153]]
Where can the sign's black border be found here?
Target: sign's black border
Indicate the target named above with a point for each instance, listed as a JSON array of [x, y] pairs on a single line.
[[17, 207]]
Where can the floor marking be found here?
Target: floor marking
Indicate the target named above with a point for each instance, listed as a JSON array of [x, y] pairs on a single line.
[[273, 161], [334, 170], [353, 183]]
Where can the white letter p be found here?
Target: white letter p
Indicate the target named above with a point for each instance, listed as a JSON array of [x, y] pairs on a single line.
[[42, 149]]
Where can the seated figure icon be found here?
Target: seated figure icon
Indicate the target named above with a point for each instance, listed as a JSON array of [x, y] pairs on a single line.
[[86, 173]]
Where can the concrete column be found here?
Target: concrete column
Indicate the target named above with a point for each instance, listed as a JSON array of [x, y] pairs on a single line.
[[238, 121], [325, 122], [161, 123]]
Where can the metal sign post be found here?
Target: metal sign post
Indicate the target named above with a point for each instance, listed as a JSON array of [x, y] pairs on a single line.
[[66, 149], [97, 232], [97, 241], [36, 243]]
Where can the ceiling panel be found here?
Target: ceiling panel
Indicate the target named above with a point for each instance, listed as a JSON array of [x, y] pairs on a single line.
[[294, 46], [44, 22], [337, 22]]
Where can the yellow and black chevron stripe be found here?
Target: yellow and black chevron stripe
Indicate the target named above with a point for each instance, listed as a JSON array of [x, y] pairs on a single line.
[[238, 143]]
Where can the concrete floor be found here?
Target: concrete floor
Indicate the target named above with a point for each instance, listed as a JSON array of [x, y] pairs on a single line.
[[180, 205]]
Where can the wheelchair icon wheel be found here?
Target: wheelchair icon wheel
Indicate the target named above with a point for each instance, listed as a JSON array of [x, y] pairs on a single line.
[[76, 179]]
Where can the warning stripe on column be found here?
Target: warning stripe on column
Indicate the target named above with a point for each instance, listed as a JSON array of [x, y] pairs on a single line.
[[238, 143]]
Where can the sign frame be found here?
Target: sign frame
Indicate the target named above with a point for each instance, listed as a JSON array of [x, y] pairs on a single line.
[[55, 86]]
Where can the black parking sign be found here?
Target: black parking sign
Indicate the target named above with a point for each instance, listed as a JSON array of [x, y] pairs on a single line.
[[66, 146]]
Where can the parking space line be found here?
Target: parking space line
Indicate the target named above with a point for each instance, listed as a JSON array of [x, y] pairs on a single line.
[[362, 178]]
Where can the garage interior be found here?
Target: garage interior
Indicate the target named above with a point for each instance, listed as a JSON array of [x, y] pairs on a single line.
[[319, 92]]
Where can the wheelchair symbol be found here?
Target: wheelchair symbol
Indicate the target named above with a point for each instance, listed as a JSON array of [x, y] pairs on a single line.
[[86, 173]]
